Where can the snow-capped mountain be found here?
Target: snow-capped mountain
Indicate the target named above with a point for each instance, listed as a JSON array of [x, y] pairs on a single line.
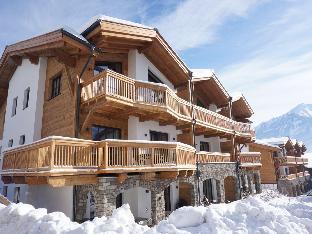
[[297, 123]]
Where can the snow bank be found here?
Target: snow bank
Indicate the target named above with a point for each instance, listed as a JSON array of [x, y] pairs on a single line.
[[268, 212], [24, 218]]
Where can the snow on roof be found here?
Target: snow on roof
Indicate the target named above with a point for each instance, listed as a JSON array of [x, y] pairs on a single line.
[[260, 142], [275, 140], [96, 18], [236, 96], [202, 72], [74, 33]]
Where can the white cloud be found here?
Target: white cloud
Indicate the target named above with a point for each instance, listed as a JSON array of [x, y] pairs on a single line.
[[277, 75], [194, 23]]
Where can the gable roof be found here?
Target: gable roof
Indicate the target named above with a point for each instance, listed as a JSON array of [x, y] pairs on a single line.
[[240, 106]]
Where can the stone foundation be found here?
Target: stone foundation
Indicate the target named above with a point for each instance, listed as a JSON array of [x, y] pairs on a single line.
[[294, 187]]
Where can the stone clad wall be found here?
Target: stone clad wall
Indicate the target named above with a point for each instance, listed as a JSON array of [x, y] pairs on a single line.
[[294, 187]]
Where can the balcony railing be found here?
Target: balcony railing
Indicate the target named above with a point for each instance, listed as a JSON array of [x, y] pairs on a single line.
[[292, 160], [68, 155], [295, 176], [213, 157], [123, 89], [250, 159]]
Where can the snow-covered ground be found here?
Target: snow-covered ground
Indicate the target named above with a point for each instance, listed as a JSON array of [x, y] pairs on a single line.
[[265, 213]]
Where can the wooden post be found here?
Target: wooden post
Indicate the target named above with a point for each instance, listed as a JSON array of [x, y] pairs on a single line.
[[100, 155], [152, 157], [105, 160], [52, 154]]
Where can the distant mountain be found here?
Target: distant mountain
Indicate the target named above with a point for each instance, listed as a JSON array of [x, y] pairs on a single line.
[[297, 123]]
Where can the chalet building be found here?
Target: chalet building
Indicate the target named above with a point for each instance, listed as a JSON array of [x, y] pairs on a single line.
[[112, 115], [283, 166]]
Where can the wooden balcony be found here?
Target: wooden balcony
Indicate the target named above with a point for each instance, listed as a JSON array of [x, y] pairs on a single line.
[[294, 176], [157, 102], [250, 159], [213, 157], [60, 161], [291, 160]]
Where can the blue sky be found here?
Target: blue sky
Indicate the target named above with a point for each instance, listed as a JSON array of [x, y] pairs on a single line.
[[262, 48]]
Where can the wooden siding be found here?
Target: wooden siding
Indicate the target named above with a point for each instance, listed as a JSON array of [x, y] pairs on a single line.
[[2, 117], [267, 170], [59, 112]]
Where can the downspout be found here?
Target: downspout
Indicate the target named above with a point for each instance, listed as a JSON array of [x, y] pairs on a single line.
[[77, 117], [191, 90]]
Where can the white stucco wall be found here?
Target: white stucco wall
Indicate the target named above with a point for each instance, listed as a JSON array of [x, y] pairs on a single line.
[[27, 121], [214, 143], [141, 130], [138, 66], [53, 199]]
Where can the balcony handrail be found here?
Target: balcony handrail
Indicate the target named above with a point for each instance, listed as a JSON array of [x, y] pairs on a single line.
[[58, 153], [114, 84], [250, 158], [213, 157]]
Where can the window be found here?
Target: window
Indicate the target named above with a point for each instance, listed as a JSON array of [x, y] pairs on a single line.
[[119, 200], [56, 86], [10, 143], [199, 103], [103, 65], [26, 98], [17, 194], [159, 136], [22, 140], [167, 199], [14, 106], [204, 146], [153, 78], [102, 133], [5, 191]]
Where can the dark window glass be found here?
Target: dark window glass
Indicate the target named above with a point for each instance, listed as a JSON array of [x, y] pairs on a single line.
[[153, 78], [101, 133], [204, 146], [207, 189], [159, 136], [167, 199], [14, 106], [119, 200], [26, 98], [10, 143], [199, 103], [17, 194], [101, 66], [5, 191], [22, 140], [56, 86]]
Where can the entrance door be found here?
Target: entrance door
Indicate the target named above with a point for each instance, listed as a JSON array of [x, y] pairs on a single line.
[[101, 133], [208, 189]]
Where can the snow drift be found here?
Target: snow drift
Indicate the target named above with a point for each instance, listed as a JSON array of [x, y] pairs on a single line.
[[265, 213]]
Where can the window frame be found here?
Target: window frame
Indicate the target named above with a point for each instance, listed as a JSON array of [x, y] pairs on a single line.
[[201, 146], [5, 191], [10, 143], [112, 65], [159, 135], [56, 83], [153, 78], [14, 106], [26, 98], [22, 138]]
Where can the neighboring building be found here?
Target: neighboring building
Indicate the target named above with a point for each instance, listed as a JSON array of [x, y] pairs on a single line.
[[290, 174], [94, 120]]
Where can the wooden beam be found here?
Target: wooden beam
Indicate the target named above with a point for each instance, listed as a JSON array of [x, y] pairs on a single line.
[[190, 173], [64, 58], [19, 180], [148, 176], [60, 181], [36, 180], [33, 59], [169, 175], [122, 177], [7, 179], [183, 173], [17, 60]]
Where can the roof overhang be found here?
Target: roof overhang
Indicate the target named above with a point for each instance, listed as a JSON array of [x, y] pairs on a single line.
[[241, 108], [60, 43], [266, 146], [212, 89], [120, 36]]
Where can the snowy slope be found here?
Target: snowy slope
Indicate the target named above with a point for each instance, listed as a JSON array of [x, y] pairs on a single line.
[[297, 123], [265, 213]]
